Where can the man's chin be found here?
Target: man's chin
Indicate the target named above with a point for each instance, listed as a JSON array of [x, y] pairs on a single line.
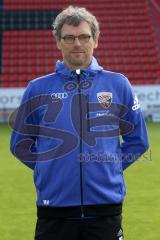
[[77, 64]]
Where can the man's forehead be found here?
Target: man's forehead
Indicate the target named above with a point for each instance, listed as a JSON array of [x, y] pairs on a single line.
[[82, 27]]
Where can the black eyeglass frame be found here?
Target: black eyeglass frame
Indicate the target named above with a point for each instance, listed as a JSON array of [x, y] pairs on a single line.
[[70, 39]]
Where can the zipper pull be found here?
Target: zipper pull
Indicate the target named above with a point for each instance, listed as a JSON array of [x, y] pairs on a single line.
[[82, 216], [78, 71], [82, 213]]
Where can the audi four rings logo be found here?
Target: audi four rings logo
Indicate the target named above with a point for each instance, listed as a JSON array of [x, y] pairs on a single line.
[[61, 95]]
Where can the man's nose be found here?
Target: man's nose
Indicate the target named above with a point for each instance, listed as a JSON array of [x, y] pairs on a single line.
[[77, 42]]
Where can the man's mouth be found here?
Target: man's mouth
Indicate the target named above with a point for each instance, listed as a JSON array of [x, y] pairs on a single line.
[[77, 52]]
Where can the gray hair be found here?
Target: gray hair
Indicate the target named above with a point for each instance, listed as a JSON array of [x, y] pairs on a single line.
[[74, 16]]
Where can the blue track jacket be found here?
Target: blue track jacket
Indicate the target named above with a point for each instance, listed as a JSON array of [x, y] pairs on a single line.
[[78, 131]]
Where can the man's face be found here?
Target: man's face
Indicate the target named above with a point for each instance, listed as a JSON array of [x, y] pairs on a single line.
[[78, 54]]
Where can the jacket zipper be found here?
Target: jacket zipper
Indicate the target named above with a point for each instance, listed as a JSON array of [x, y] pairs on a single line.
[[88, 115], [80, 107]]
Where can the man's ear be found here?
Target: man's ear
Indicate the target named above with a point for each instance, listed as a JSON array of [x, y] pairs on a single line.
[[53, 33], [58, 44], [96, 43]]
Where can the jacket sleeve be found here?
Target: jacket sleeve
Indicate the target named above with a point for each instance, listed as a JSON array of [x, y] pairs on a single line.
[[135, 142], [21, 138]]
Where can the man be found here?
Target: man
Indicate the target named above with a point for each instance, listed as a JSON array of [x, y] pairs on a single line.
[[68, 129]]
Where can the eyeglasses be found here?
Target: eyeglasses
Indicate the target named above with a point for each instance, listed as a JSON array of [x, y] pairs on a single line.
[[83, 38]]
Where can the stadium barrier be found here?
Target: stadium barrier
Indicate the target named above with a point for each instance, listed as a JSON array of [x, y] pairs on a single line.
[[148, 96]]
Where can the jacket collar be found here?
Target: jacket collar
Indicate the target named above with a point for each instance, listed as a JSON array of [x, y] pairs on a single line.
[[91, 70]]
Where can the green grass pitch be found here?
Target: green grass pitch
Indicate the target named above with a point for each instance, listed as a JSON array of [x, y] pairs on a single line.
[[141, 210]]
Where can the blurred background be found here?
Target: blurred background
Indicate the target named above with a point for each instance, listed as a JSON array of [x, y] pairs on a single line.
[[130, 44]]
